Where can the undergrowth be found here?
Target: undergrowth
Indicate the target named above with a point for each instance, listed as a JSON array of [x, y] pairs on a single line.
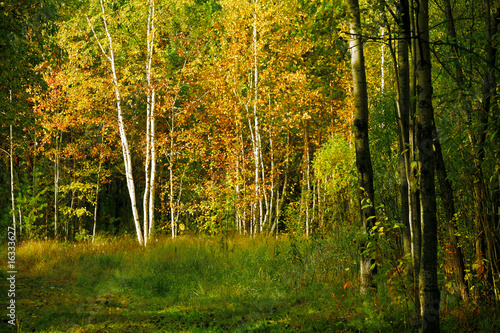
[[212, 284]]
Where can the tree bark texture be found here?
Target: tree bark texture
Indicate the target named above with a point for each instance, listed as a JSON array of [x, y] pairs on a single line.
[[428, 283], [404, 104], [361, 139]]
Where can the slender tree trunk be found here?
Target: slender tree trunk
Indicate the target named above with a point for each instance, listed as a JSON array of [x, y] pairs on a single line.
[[152, 184], [280, 199], [150, 164], [11, 160], [241, 206], [71, 220], [237, 190], [124, 141], [98, 183], [361, 139], [258, 148], [402, 66], [96, 200], [171, 176], [272, 190], [237, 197], [428, 284], [382, 64], [413, 180], [307, 175], [56, 182], [145, 201]]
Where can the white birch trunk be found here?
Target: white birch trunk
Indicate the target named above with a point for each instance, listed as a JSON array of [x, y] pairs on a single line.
[[256, 135], [243, 218], [11, 160], [171, 175], [20, 221], [150, 164], [171, 197], [124, 142], [56, 183], [237, 190], [271, 199], [146, 173], [153, 166]]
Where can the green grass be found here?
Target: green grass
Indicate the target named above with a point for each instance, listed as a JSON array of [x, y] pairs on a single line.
[[206, 284]]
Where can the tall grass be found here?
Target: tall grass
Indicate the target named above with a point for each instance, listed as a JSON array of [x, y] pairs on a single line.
[[203, 284]]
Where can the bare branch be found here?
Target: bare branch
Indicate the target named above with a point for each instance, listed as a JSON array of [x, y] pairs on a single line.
[[98, 42]]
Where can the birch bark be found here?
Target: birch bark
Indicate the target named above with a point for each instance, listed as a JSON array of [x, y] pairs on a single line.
[[11, 160], [256, 130], [150, 164], [56, 182], [123, 136]]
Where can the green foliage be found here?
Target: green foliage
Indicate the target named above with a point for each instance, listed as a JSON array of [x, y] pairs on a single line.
[[335, 161], [82, 235], [383, 244], [27, 28], [335, 171], [292, 218], [31, 204]]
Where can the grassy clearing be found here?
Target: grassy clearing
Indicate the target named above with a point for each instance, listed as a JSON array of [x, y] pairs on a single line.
[[208, 284]]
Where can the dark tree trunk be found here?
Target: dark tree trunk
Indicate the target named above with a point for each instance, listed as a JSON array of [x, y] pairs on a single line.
[[415, 211], [361, 140], [404, 105], [428, 284]]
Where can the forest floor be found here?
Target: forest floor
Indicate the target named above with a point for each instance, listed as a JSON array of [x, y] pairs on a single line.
[[210, 284]]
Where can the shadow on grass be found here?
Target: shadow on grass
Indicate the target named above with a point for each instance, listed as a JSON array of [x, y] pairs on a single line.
[[133, 314]]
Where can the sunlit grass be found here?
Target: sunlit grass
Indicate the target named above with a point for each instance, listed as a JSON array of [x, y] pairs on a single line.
[[202, 284]]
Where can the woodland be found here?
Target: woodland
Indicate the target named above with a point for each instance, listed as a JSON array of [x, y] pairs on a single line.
[[252, 165]]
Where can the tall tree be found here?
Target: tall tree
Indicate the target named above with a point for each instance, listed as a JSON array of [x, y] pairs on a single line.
[[428, 283], [150, 163], [361, 140], [402, 68]]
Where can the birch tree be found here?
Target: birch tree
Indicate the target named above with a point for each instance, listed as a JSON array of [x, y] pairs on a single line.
[[150, 163], [11, 161], [257, 208]]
